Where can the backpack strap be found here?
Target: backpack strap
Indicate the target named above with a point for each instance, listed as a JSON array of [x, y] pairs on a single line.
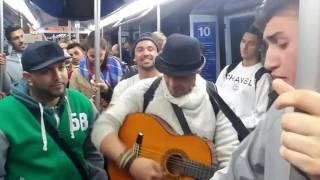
[[148, 95], [273, 95], [227, 111], [258, 75], [230, 68], [182, 119], [216, 102], [212, 87]]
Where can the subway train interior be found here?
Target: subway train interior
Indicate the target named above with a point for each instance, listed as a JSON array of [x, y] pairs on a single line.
[[226, 20], [208, 52], [222, 22]]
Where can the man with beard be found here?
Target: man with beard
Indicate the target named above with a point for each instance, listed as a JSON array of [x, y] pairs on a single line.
[[14, 35], [44, 127], [145, 52]]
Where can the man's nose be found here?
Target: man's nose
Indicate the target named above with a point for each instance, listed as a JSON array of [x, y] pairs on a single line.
[[21, 39], [271, 61], [57, 73]]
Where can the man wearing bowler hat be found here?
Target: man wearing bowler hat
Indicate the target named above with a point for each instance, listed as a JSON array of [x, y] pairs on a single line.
[[45, 128], [180, 85]]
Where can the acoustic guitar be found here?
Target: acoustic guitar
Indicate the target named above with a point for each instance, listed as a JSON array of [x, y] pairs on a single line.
[[181, 157]]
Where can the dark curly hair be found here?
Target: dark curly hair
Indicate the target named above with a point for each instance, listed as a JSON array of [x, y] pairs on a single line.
[[254, 30], [11, 29]]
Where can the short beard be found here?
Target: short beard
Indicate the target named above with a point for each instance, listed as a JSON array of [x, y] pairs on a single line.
[[150, 68]]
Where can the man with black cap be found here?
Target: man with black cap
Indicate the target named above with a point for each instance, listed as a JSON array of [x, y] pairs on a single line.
[[180, 86], [145, 53], [45, 128], [245, 86]]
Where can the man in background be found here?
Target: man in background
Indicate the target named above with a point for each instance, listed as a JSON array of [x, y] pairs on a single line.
[[145, 53], [14, 35], [245, 86], [77, 53]]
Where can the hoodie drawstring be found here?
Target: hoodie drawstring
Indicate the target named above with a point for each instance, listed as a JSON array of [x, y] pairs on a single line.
[[70, 118], [43, 130]]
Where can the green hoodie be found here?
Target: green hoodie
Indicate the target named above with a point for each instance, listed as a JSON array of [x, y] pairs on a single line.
[[31, 153]]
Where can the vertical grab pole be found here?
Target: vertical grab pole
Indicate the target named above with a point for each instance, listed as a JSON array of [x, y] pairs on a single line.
[[2, 67], [309, 46], [97, 8], [69, 30], [77, 27], [21, 21], [120, 43], [158, 17], [308, 65]]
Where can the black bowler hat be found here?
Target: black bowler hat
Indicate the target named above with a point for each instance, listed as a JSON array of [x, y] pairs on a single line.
[[41, 54], [180, 56]]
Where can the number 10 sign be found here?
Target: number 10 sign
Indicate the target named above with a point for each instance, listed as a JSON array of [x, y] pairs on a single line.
[[204, 28]]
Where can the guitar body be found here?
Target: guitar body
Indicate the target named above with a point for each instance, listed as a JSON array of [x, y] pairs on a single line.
[[167, 148]]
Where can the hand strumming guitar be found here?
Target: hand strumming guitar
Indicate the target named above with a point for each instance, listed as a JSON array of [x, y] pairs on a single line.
[[145, 169]]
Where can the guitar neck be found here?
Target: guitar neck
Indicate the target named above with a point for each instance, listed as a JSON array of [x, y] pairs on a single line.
[[197, 170]]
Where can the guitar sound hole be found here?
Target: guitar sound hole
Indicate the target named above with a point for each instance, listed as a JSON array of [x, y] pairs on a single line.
[[175, 165]]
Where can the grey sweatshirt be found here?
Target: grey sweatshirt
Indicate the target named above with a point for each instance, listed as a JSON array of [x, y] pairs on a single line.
[[258, 156]]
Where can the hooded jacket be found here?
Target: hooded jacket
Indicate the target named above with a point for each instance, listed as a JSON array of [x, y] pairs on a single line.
[[27, 151], [258, 156]]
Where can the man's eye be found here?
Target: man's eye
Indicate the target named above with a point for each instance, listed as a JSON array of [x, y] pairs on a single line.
[[45, 71], [62, 67], [283, 45]]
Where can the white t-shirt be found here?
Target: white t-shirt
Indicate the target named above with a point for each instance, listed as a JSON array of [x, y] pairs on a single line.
[[122, 86], [247, 100]]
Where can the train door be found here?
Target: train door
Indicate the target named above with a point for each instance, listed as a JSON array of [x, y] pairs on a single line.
[[235, 27]]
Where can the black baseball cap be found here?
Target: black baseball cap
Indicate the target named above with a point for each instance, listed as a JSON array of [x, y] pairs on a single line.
[[42, 54]]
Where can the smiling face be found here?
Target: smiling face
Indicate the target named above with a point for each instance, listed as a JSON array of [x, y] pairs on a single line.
[[281, 34], [145, 54]]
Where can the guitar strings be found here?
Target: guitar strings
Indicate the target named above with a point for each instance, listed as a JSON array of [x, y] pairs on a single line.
[[159, 154], [185, 163], [190, 167], [143, 150], [195, 170]]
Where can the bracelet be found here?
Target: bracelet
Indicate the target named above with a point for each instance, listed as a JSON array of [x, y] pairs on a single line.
[[126, 158]]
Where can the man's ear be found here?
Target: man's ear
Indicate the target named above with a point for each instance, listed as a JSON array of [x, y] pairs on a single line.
[[27, 76]]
